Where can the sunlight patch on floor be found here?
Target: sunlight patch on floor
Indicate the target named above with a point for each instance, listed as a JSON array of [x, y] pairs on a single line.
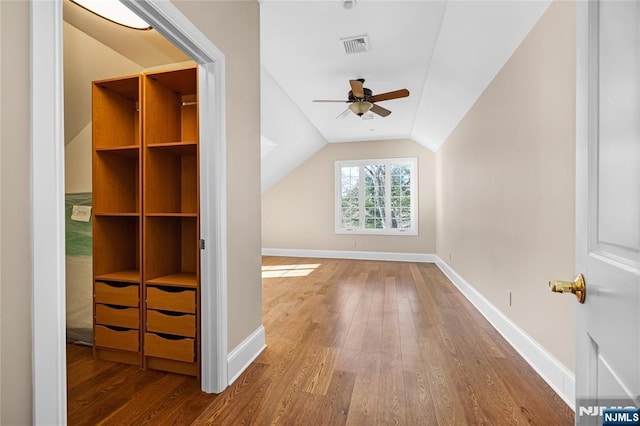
[[280, 271]]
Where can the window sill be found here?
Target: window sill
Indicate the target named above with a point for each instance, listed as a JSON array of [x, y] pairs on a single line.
[[385, 232]]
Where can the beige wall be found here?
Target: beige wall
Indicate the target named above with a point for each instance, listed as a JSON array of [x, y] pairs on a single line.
[[506, 185], [15, 246], [298, 211], [86, 59], [77, 162], [234, 26]]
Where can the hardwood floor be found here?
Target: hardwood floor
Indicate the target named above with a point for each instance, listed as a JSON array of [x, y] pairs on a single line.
[[349, 342]]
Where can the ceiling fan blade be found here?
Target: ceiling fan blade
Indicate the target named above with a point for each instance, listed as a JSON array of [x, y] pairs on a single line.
[[328, 100], [357, 88], [383, 112], [403, 93], [343, 114]]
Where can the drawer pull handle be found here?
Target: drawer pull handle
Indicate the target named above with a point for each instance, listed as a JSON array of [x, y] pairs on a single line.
[[171, 313], [116, 328], [172, 289], [170, 336], [121, 308], [117, 284]]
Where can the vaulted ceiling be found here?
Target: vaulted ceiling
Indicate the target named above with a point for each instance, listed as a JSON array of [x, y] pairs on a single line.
[[444, 52], [301, 49]]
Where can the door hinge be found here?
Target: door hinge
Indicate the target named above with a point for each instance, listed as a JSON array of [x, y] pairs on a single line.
[[201, 244]]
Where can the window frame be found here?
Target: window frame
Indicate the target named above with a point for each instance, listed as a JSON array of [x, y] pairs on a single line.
[[388, 162]]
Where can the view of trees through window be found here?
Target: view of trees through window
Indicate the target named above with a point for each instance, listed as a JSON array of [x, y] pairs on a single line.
[[376, 195]]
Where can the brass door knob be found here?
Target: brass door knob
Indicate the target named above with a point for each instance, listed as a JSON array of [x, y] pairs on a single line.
[[577, 287]]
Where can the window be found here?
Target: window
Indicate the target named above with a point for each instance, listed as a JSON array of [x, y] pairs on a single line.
[[377, 196]]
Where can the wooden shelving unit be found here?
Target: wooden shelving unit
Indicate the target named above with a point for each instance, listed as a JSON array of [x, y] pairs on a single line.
[[146, 222], [117, 230], [171, 265]]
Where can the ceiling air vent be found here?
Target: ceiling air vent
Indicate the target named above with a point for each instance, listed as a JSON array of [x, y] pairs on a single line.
[[355, 44]]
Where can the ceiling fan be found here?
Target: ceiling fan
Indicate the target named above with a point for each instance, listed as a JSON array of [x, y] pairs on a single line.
[[362, 100]]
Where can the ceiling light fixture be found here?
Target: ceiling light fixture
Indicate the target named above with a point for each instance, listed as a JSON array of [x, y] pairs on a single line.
[[348, 4], [360, 107], [114, 11]]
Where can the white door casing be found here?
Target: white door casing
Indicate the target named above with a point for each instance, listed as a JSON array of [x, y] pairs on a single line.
[[165, 18], [47, 210], [608, 207]]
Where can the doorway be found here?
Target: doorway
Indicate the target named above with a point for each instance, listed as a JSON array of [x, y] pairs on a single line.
[[49, 369]]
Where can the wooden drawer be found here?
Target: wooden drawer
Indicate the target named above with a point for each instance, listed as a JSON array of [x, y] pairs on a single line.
[[117, 338], [175, 299], [118, 315], [124, 294], [169, 347], [172, 323]]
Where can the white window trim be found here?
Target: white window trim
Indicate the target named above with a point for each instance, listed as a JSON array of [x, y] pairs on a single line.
[[413, 231]]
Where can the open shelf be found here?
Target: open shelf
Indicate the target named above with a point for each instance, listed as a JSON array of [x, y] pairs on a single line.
[[181, 279], [123, 214], [115, 112], [171, 111], [125, 151], [171, 182], [172, 214], [116, 246], [118, 178], [128, 276], [187, 148], [184, 81], [171, 248], [126, 87]]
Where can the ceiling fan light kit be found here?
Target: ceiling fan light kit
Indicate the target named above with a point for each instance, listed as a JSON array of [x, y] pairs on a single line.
[[362, 100], [361, 107]]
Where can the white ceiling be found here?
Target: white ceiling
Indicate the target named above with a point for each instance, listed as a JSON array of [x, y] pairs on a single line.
[[300, 48], [445, 53]]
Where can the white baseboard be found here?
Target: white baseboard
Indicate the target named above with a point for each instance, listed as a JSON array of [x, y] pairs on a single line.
[[245, 353], [346, 254], [552, 371]]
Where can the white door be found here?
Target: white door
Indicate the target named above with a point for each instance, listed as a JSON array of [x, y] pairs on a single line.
[[608, 207]]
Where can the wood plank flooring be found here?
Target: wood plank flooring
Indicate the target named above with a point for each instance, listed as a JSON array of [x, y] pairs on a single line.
[[349, 342]]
